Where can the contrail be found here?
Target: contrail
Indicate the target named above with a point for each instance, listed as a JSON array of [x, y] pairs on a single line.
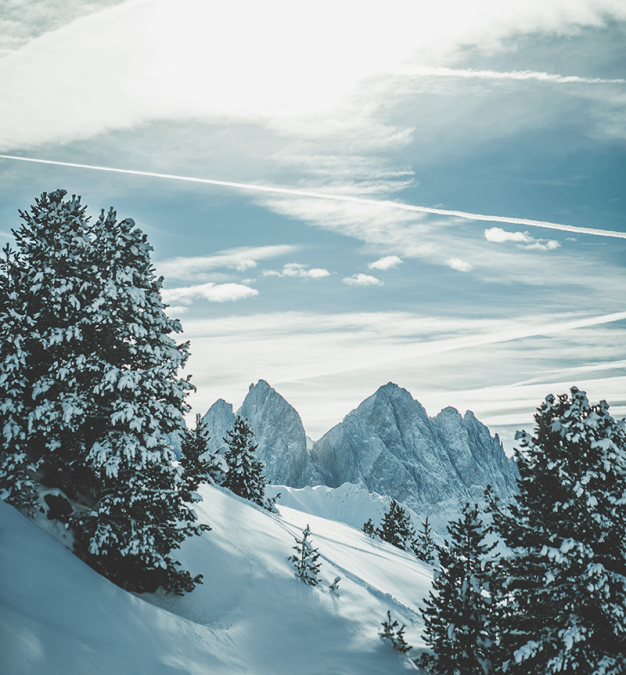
[[337, 198], [501, 75]]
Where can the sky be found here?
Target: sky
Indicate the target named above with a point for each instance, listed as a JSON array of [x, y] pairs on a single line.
[[343, 194]]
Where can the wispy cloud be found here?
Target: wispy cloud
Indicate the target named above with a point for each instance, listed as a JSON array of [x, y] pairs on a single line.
[[336, 360], [298, 270], [239, 259], [386, 263], [209, 291], [339, 198], [362, 280]]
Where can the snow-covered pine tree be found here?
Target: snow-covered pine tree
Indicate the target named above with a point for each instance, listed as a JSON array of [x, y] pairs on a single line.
[[245, 475], [99, 389], [50, 290], [199, 464], [395, 527], [565, 587], [458, 614], [305, 559], [394, 633], [424, 545]]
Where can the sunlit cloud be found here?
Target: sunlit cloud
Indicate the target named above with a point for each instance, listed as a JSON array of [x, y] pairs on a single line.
[[459, 265], [386, 263], [209, 291], [523, 239], [362, 280]]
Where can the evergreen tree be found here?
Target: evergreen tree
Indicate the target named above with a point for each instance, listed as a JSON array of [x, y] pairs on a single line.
[[245, 474], [565, 587], [305, 559], [396, 527], [369, 529], [424, 545], [394, 633], [458, 614], [199, 464], [89, 380]]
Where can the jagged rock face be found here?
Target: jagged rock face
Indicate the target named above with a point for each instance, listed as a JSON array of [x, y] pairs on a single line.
[[278, 433], [280, 436], [391, 446]]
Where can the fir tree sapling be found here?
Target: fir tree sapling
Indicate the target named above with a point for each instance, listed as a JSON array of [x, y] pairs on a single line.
[[88, 379], [334, 587], [394, 633], [565, 583], [396, 527], [245, 474], [305, 559], [369, 529], [458, 614], [424, 545]]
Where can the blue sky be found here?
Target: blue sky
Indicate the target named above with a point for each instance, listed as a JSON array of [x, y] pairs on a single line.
[[509, 109]]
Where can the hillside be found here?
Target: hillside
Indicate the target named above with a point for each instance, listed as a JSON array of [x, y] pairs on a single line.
[[251, 615]]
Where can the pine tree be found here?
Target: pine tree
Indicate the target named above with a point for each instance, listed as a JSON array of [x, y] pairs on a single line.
[[97, 392], [424, 545], [199, 464], [305, 559], [565, 587], [245, 475], [396, 527], [394, 633], [458, 615]]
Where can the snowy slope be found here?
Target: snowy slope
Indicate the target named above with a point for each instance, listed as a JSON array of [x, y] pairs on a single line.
[[252, 615]]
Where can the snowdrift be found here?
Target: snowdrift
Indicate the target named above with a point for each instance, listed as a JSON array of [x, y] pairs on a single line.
[[251, 615]]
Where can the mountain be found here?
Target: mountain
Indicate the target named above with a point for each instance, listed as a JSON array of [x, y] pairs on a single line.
[[391, 446], [250, 615], [278, 432], [388, 445]]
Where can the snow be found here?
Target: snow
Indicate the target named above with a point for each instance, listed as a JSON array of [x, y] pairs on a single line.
[[251, 614]]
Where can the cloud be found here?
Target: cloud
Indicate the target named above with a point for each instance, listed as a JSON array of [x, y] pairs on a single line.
[[524, 240], [210, 291], [150, 60], [239, 259], [498, 235], [298, 270], [386, 263], [459, 265], [362, 280], [539, 245]]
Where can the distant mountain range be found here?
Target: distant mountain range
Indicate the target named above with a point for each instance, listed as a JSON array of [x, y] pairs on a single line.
[[388, 445]]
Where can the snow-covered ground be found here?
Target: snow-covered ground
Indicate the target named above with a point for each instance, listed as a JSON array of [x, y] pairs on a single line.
[[251, 615]]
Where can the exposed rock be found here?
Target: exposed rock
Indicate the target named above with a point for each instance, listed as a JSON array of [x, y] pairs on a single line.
[[391, 446]]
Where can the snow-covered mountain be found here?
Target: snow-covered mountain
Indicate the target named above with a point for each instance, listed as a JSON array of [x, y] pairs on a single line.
[[278, 432], [391, 446], [251, 614], [388, 445]]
